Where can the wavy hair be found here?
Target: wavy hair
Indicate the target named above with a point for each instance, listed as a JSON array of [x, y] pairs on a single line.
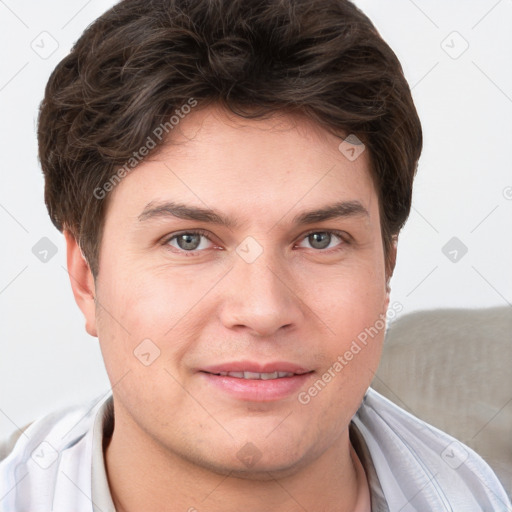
[[143, 59]]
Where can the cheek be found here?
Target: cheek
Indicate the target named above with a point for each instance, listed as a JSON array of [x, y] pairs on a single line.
[[148, 300], [348, 298], [150, 311], [352, 306], [143, 330]]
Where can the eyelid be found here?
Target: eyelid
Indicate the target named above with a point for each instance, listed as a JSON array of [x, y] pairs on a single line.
[[343, 235], [197, 231]]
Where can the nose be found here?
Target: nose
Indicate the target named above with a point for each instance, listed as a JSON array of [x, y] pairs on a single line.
[[259, 296]]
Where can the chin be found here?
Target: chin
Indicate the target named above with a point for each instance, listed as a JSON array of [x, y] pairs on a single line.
[[264, 469], [262, 456]]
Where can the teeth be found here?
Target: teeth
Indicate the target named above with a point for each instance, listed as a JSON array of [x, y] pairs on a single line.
[[252, 375], [256, 375]]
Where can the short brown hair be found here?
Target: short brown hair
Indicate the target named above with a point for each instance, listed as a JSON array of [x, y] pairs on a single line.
[[143, 59]]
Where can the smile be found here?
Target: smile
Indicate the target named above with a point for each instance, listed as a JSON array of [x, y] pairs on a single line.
[[256, 382], [256, 375]]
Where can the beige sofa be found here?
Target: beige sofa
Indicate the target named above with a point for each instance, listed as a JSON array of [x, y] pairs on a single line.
[[453, 369]]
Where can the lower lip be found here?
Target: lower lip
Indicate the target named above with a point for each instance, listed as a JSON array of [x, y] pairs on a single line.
[[256, 390]]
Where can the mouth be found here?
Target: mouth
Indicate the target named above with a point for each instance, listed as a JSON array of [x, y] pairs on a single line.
[[256, 382], [256, 375]]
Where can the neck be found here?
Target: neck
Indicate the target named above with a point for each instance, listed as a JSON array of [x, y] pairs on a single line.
[[145, 476]]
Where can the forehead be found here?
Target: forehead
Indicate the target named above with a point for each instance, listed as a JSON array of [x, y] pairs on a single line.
[[263, 166]]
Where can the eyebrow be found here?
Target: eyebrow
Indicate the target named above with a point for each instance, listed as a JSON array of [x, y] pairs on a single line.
[[341, 209]]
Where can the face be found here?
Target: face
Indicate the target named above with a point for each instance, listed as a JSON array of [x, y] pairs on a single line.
[[187, 301]]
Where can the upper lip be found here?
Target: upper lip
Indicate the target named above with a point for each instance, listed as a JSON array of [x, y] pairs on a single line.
[[256, 367]]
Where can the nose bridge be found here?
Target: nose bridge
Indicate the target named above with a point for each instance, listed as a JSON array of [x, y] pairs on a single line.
[[261, 296], [265, 275]]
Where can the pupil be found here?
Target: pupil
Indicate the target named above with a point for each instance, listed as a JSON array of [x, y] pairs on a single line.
[[191, 241], [188, 241], [320, 240]]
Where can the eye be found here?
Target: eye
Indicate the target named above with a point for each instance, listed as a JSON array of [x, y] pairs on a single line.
[[323, 240], [189, 241], [198, 240]]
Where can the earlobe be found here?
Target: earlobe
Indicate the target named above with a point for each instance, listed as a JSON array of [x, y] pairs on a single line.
[[390, 265], [82, 282]]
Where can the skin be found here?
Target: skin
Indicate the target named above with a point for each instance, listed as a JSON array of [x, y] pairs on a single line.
[[176, 437]]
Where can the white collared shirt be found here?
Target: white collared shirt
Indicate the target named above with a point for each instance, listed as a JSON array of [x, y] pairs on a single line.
[[57, 464]]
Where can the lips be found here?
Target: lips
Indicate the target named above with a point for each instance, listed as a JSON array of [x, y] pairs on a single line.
[[257, 375], [247, 368], [257, 382]]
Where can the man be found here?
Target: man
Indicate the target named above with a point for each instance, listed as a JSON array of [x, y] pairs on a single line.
[[231, 178]]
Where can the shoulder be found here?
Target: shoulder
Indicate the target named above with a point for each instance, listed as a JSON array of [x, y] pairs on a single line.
[[40, 427], [420, 466], [46, 452], [7, 444]]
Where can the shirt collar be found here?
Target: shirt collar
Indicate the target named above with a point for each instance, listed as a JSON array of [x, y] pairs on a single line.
[[379, 503], [103, 428]]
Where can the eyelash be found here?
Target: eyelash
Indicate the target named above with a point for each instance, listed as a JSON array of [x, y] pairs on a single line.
[[344, 237]]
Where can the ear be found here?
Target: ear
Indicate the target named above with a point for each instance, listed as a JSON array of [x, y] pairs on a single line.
[[82, 282], [390, 265]]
